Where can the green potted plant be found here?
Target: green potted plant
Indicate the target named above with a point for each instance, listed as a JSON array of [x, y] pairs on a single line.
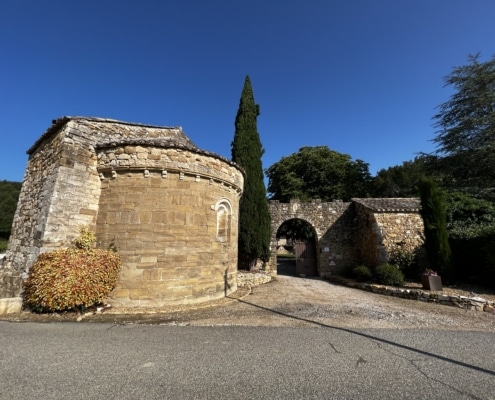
[[431, 280]]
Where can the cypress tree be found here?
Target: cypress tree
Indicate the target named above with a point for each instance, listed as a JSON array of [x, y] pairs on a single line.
[[433, 211], [254, 216]]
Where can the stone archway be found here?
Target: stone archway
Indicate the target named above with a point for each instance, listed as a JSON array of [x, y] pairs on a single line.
[[299, 257], [333, 226]]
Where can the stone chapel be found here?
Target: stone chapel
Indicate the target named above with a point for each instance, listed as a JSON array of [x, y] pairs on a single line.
[[169, 208]]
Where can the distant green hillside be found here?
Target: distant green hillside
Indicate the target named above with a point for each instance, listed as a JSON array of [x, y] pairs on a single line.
[[9, 193]]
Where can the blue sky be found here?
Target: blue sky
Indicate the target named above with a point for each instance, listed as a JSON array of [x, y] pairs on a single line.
[[361, 77]]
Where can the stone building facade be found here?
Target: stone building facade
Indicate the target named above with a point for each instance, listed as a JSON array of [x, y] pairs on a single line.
[[362, 231], [169, 208]]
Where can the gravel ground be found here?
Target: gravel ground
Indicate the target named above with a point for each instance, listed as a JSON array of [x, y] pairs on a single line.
[[294, 301]]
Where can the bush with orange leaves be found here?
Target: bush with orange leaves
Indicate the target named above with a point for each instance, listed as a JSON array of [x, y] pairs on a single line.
[[72, 279]]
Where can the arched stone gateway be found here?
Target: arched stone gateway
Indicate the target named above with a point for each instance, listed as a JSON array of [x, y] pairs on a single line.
[[363, 231]]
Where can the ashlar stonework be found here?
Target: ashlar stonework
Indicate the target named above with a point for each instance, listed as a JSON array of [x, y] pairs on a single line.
[[169, 208], [362, 231]]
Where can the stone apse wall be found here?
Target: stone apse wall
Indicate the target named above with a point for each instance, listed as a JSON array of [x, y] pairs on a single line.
[[363, 231], [172, 214], [169, 208]]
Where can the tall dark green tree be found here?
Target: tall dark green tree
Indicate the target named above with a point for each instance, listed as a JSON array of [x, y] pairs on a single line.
[[466, 125], [433, 211], [254, 216]]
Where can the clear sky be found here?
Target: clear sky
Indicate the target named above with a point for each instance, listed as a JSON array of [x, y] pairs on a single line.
[[362, 77]]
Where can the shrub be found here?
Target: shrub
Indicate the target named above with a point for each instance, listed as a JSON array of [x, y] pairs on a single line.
[[346, 271], [404, 259], [362, 273], [86, 239], [387, 274], [71, 279]]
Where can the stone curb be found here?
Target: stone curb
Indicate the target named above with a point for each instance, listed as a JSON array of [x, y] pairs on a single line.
[[10, 305], [468, 303]]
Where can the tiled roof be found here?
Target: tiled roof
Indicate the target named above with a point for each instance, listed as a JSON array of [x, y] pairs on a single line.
[[390, 204]]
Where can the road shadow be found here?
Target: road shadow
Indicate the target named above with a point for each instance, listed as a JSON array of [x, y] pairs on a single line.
[[371, 337]]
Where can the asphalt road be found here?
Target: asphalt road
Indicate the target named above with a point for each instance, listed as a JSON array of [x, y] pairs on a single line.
[[110, 361]]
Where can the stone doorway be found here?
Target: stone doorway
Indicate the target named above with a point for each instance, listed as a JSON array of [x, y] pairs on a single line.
[[296, 248]]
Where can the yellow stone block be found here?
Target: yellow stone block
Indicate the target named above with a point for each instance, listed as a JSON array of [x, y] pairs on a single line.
[[119, 293], [149, 259], [140, 293]]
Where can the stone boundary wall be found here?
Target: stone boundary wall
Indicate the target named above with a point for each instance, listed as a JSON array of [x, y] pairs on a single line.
[[468, 303], [363, 231], [250, 279]]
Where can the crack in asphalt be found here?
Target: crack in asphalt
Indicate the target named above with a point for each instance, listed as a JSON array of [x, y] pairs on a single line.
[[335, 349], [428, 378]]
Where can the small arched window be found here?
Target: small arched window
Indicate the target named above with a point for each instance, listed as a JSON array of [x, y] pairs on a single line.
[[224, 220]]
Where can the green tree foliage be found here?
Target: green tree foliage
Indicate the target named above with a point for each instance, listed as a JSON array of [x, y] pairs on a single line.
[[471, 226], [468, 216], [433, 211], [318, 172], [402, 180], [254, 216], [466, 125], [9, 194], [398, 181], [296, 229]]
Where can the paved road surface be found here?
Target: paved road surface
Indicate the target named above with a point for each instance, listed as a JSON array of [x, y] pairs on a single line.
[[110, 361]]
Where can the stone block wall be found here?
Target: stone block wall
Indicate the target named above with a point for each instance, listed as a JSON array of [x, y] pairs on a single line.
[[337, 245], [59, 193], [164, 210], [381, 233], [363, 231]]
